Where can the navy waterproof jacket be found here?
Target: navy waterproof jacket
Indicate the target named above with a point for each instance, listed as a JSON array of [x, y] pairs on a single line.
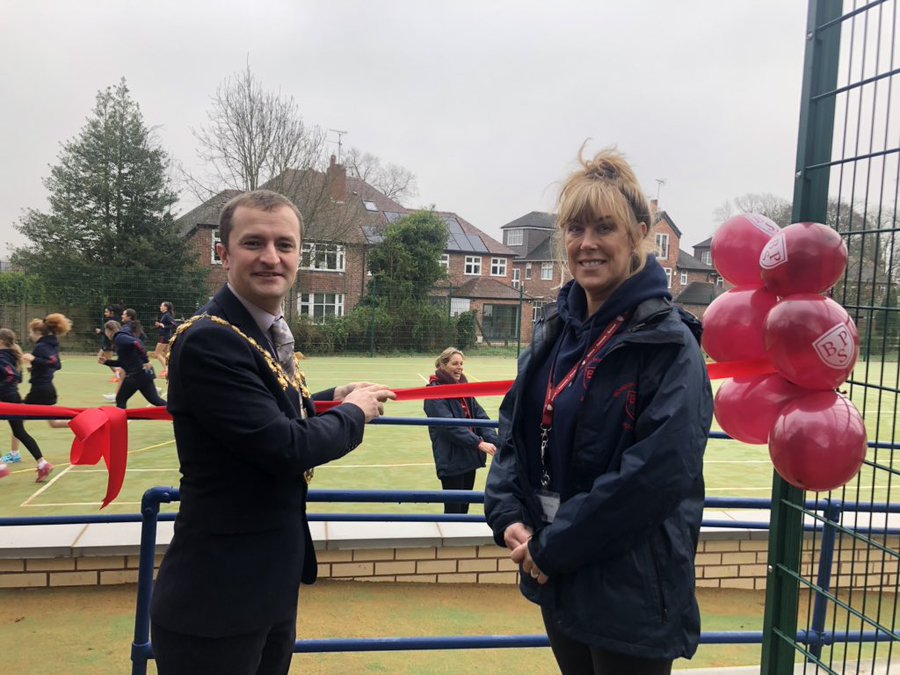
[[620, 552], [455, 449]]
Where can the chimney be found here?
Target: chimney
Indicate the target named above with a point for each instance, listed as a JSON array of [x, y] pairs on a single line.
[[336, 178]]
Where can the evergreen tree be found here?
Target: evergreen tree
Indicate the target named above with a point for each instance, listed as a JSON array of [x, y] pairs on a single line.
[[110, 199], [406, 265]]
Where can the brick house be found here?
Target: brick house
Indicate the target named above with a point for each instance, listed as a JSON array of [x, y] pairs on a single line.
[[343, 218], [540, 270]]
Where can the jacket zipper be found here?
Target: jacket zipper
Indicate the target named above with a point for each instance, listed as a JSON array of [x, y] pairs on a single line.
[[663, 611]]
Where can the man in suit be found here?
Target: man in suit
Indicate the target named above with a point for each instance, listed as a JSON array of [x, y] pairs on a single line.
[[225, 599]]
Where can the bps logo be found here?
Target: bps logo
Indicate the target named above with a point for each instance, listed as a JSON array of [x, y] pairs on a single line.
[[835, 347], [763, 224], [629, 393], [774, 253]]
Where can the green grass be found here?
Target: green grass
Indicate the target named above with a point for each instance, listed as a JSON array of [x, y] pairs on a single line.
[[391, 457]]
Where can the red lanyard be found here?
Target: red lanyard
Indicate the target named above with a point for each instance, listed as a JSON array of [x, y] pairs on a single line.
[[554, 392]]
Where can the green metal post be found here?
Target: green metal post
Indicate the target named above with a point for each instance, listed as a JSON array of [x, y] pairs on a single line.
[[372, 300], [810, 203]]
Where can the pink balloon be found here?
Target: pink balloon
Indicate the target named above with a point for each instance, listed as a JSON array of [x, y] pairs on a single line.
[[818, 442], [803, 258], [733, 324], [736, 246], [812, 341], [746, 407]]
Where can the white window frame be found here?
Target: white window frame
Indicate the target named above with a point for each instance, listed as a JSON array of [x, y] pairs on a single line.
[[536, 310], [214, 258], [313, 251], [498, 267], [684, 279], [516, 277], [662, 244], [527, 271], [546, 271], [706, 256], [515, 237], [307, 303], [444, 261], [473, 265], [668, 271]]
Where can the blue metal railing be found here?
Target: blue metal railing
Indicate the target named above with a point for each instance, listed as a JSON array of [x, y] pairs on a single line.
[[817, 637]]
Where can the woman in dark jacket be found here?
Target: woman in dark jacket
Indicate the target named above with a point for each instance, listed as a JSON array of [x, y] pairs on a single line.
[[132, 358], [597, 488], [458, 451]]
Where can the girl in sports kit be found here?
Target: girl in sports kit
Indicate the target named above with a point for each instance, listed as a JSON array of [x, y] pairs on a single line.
[[44, 362], [166, 325]]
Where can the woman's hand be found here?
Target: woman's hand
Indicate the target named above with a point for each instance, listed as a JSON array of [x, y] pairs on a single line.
[[522, 556], [487, 448], [515, 535], [28, 357], [101, 358]]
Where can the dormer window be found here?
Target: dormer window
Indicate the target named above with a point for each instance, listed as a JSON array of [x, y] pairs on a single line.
[[370, 206], [514, 237]]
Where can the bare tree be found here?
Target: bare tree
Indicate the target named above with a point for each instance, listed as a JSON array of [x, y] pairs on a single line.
[[252, 136], [391, 180], [772, 206]]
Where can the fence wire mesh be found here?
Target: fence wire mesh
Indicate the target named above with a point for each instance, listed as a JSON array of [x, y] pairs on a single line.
[[833, 584]]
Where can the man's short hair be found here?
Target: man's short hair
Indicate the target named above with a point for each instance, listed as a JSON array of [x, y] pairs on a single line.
[[262, 200]]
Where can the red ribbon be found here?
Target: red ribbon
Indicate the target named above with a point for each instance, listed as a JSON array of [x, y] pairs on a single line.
[[102, 433]]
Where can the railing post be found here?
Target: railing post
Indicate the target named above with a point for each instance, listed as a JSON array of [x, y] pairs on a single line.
[[832, 515], [141, 650]]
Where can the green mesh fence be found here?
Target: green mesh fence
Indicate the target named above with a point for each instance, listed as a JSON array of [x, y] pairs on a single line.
[[832, 593]]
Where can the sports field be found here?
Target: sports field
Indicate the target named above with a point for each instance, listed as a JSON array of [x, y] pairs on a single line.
[[392, 457]]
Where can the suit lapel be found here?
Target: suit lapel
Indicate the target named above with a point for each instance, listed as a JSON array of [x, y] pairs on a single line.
[[227, 306]]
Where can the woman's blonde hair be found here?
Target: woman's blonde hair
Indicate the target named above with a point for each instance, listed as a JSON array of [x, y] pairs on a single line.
[[52, 324], [606, 185], [8, 339], [446, 355]]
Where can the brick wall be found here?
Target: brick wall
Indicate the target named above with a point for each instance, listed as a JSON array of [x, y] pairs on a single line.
[[734, 559]]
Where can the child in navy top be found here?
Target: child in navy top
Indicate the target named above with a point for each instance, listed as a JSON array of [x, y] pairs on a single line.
[[132, 358], [166, 325], [44, 362]]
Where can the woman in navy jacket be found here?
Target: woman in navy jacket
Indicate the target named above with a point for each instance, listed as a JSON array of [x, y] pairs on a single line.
[[132, 358], [597, 488], [458, 451], [166, 325]]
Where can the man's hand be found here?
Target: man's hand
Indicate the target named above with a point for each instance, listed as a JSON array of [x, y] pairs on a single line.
[[367, 397], [340, 393], [487, 448]]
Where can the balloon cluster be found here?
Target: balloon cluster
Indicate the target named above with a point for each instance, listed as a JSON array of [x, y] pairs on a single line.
[[776, 314]]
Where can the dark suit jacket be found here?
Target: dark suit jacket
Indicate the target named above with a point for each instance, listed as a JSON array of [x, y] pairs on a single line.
[[242, 543]]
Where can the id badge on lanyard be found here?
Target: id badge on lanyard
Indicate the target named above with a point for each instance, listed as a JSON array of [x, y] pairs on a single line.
[[548, 499]]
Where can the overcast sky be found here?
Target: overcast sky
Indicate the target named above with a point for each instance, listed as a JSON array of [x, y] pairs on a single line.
[[485, 102]]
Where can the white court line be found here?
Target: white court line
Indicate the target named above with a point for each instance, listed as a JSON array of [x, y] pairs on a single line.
[[737, 461], [424, 379], [127, 470], [45, 486]]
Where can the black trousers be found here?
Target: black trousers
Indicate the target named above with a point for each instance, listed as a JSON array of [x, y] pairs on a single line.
[[576, 658], [142, 382], [464, 481], [265, 652], [18, 429]]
